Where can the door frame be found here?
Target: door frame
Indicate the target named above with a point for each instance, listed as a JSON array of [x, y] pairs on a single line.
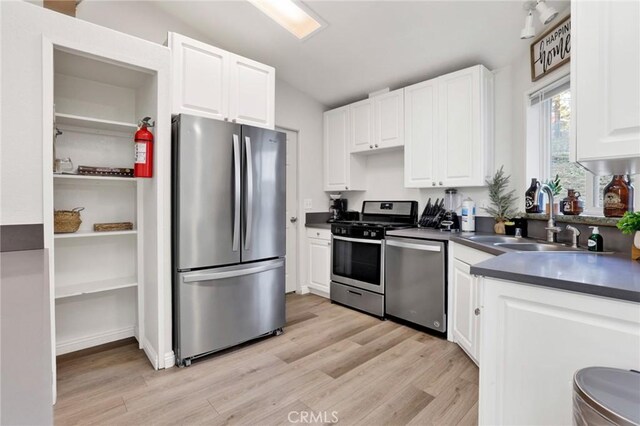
[[298, 289]]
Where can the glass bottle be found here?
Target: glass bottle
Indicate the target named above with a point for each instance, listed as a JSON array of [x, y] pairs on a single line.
[[533, 197], [615, 199]]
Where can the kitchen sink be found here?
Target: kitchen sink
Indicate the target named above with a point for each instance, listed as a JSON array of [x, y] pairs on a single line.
[[497, 239], [528, 246]]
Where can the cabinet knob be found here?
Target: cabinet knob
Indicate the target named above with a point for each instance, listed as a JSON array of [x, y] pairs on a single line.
[[370, 146], [376, 145], [226, 119], [346, 187], [477, 311], [433, 184], [440, 183], [234, 120], [318, 234]]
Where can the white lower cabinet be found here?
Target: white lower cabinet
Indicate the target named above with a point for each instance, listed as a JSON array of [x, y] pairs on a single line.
[[466, 320], [535, 338], [464, 296], [319, 249]]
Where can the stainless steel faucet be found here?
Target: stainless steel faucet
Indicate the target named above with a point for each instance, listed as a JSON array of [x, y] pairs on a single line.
[[552, 229], [575, 236]]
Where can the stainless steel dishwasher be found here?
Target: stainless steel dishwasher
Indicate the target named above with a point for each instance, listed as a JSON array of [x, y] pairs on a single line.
[[415, 279]]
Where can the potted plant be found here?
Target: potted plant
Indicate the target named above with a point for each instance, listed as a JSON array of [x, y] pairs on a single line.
[[630, 224], [556, 188], [502, 207]]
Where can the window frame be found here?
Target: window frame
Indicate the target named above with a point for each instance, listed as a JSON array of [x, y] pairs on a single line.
[[538, 139]]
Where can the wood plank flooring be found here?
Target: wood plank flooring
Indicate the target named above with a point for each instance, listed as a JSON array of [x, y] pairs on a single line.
[[331, 365]]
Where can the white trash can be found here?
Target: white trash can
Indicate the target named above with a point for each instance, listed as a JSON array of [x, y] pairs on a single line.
[[605, 396]]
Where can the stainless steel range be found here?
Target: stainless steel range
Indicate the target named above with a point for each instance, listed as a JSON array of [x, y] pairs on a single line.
[[358, 255]]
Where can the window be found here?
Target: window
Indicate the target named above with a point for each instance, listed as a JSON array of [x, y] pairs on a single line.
[[548, 146]]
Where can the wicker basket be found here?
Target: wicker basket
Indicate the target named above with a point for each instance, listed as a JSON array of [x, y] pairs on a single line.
[[66, 221]]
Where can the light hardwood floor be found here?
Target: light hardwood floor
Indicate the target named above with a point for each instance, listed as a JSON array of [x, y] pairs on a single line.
[[331, 362]]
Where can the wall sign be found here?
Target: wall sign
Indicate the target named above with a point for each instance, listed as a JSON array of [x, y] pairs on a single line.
[[551, 50]]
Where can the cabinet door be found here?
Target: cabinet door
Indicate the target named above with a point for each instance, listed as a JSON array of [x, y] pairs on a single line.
[[606, 87], [200, 78], [420, 147], [388, 119], [465, 302], [319, 264], [361, 125], [336, 149], [252, 93], [459, 136], [534, 339]]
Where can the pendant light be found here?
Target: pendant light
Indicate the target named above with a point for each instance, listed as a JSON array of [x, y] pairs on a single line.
[[547, 13], [528, 31]]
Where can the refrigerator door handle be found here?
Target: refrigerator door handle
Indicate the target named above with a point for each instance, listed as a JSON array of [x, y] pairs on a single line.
[[237, 192], [249, 206], [211, 276]]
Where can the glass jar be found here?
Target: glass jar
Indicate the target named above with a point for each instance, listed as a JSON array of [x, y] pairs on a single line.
[[616, 197]]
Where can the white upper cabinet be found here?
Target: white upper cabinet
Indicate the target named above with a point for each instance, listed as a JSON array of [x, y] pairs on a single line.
[[200, 78], [213, 83], [252, 93], [421, 134], [465, 127], [388, 120], [605, 85], [361, 125], [342, 171], [449, 130]]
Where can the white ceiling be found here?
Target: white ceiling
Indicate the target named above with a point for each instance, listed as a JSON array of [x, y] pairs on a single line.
[[367, 45]]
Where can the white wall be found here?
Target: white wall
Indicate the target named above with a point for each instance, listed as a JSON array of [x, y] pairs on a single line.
[[385, 172]]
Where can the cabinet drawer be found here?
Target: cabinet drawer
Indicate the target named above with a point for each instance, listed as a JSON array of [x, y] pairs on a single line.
[[323, 234], [357, 298]]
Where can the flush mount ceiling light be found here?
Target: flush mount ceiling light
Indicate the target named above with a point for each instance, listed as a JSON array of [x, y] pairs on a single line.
[[289, 15], [528, 31], [547, 13]]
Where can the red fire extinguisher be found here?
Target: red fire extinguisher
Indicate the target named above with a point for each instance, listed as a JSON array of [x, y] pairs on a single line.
[[144, 149]]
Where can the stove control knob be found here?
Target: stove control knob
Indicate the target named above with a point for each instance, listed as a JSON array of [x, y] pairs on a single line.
[[373, 233], [366, 233]]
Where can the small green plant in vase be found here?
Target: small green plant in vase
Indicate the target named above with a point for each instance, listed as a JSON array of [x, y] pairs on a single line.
[[502, 202], [630, 224], [556, 188]]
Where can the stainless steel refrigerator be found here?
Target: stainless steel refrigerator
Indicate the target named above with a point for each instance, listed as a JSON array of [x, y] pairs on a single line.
[[228, 234]]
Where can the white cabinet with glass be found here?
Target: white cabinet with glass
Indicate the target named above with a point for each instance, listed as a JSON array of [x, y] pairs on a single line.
[[605, 65]]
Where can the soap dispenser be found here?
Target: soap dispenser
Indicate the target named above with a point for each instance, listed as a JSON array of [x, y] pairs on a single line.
[[595, 243]]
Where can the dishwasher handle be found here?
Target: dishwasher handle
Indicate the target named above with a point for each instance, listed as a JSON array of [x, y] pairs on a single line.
[[413, 246]]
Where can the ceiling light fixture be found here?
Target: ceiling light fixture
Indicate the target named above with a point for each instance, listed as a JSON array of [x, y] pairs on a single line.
[[528, 31], [289, 15], [547, 13]]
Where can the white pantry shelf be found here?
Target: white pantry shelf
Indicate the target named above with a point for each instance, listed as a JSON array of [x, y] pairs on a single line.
[[98, 178], [90, 234], [94, 287], [94, 123]]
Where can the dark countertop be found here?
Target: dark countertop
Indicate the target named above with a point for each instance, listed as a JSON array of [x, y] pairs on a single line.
[[606, 275], [597, 274]]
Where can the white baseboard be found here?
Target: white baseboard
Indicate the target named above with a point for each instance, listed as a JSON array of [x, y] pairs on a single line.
[[318, 292], [151, 353], [72, 345], [169, 359], [304, 289]]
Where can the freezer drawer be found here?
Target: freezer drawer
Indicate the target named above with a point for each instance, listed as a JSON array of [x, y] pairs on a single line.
[[357, 298], [222, 307], [415, 280]]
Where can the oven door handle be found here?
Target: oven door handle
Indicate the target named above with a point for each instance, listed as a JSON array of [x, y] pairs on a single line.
[[413, 246], [358, 240]]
